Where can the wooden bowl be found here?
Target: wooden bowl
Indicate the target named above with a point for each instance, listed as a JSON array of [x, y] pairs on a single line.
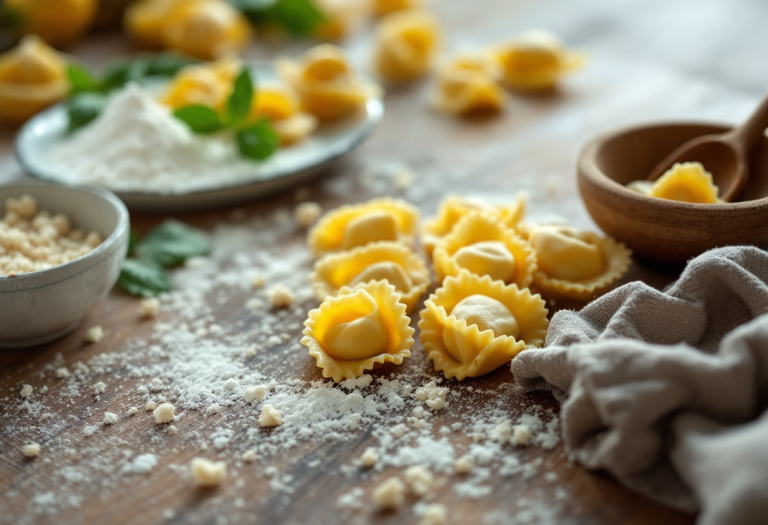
[[659, 229]]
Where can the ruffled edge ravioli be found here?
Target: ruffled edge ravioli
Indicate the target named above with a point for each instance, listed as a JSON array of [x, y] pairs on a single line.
[[453, 208], [616, 257], [328, 234], [490, 352], [478, 226], [399, 331], [337, 270]]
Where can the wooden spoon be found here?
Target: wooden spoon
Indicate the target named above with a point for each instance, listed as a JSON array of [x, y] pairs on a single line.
[[724, 155]]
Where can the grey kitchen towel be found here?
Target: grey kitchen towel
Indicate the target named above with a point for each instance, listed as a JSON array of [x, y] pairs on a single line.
[[668, 390]]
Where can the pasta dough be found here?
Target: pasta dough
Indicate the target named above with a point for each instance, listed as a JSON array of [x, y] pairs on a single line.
[[357, 225], [207, 29], [535, 60], [207, 84], [360, 327], [454, 208], [384, 7], [325, 83], [381, 261], [281, 107], [469, 85], [684, 182], [473, 325], [481, 244], [406, 43], [575, 263]]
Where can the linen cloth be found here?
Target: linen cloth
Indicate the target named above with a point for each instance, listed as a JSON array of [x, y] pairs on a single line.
[[668, 390]]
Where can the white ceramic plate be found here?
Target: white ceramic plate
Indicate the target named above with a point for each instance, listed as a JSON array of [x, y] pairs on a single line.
[[288, 167]]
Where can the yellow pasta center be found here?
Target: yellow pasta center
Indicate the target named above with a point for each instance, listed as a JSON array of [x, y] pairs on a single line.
[[370, 227], [528, 58], [385, 271], [491, 258], [198, 85], [687, 182], [565, 253], [274, 104], [484, 312], [324, 63], [357, 331]]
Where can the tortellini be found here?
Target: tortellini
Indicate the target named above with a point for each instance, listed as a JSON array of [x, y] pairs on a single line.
[[454, 208], [356, 225], [341, 18], [207, 84], [389, 261], [358, 328], [468, 85], [208, 29], [58, 22], [575, 263], [535, 60], [472, 325], [406, 43], [32, 77], [282, 108], [327, 86], [686, 182], [482, 245], [384, 7]]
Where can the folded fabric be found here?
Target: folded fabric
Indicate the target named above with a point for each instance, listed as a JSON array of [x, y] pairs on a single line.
[[668, 390]]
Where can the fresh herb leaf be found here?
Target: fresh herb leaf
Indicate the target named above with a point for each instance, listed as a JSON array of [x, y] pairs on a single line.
[[165, 64], [200, 119], [80, 79], [83, 108], [258, 141], [172, 243], [143, 278], [121, 72], [133, 240], [239, 102], [298, 17]]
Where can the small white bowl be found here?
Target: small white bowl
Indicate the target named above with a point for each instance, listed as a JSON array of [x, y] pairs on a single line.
[[42, 306]]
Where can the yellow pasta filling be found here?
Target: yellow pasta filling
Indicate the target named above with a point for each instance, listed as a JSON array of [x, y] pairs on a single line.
[[490, 258]]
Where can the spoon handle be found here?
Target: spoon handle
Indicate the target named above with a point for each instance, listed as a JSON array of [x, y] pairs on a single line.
[[747, 135]]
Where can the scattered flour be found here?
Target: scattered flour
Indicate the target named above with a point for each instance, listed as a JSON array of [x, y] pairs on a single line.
[[390, 494], [208, 473]]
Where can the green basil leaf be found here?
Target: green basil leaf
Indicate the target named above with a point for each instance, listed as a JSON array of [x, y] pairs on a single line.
[[298, 17], [258, 141], [119, 73], [200, 119], [165, 64], [83, 108], [80, 79], [133, 240], [143, 278], [239, 102], [172, 243]]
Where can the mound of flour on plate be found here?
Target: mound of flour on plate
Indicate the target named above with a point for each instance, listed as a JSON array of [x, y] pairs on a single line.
[[137, 145]]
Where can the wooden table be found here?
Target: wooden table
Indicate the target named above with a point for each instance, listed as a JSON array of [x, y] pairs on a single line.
[[647, 60]]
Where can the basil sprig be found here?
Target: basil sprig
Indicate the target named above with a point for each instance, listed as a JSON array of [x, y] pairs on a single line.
[[255, 140], [297, 17], [170, 244]]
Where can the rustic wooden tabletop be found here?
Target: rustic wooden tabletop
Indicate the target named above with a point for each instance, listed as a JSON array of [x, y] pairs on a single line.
[[648, 60]]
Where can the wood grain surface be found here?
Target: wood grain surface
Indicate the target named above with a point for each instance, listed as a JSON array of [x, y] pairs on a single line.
[[648, 60]]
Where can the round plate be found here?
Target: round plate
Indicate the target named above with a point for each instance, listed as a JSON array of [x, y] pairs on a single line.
[[287, 167]]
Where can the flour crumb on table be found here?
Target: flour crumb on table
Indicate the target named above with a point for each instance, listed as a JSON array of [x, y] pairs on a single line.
[[172, 430], [151, 405], [213, 408], [26, 391], [521, 435], [270, 417], [164, 413], [149, 307], [31, 450], [133, 411], [208, 473], [258, 281], [249, 456], [369, 457], [280, 296], [110, 418], [230, 384], [94, 334], [354, 421], [463, 465], [390, 494], [62, 372], [434, 514], [419, 480], [99, 388], [307, 213], [254, 393], [502, 433]]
